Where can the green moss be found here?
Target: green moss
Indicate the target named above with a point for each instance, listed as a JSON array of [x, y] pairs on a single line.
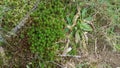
[[47, 28], [14, 11]]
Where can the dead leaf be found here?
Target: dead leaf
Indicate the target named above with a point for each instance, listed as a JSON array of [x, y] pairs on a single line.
[[77, 37]]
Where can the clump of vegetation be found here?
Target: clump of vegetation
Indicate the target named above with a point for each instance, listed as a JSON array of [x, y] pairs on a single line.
[[14, 11], [47, 28]]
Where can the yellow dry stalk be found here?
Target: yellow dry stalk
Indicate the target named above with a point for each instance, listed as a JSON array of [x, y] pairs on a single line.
[[84, 43], [75, 18]]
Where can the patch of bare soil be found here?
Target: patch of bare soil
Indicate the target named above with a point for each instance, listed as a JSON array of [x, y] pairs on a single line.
[[103, 60], [111, 58], [101, 53], [19, 53], [18, 50]]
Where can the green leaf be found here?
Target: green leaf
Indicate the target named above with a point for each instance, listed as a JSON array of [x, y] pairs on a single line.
[[84, 11], [85, 27], [117, 47], [66, 30], [69, 20]]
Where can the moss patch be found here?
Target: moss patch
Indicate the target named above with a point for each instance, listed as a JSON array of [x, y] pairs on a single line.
[[47, 28]]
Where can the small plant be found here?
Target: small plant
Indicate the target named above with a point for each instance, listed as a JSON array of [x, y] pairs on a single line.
[[81, 26]]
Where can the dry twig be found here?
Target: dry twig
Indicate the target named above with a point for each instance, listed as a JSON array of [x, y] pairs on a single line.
[[75, 18], [73, 56]]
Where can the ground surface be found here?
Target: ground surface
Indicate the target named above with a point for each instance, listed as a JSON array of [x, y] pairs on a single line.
[[92, 34]]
